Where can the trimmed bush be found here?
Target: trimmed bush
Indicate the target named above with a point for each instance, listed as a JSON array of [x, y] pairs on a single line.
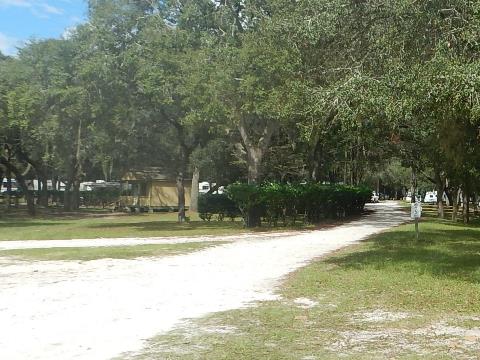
[[100, 197], [216, 204], [285, 203], [289, 202]]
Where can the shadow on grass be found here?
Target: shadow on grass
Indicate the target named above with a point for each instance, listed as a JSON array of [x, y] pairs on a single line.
[[54, 213], [23, 224], [443, 251], [170, 225]]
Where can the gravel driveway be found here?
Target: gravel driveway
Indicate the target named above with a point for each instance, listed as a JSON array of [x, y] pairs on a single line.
[[100, 309]]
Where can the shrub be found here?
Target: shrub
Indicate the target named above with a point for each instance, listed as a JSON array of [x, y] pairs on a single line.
[[100, 197], [216, 204], [288, 202], [246, 197]]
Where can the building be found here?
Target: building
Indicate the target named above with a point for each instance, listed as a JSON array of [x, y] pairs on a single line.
[[151, 190]]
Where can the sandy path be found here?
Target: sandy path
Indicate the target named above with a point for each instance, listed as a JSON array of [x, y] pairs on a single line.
[[105, 242], [103, 308]]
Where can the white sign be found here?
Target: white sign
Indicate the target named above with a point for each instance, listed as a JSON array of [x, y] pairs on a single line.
[[416, 212]]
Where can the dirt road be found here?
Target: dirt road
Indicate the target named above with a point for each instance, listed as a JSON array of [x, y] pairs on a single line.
[[100, 309]]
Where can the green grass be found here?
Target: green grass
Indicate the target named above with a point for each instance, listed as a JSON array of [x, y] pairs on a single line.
[[87, 225], [103, 252], [430, 290]]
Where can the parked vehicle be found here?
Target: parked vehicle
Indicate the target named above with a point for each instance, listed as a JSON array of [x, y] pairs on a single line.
[[204, 188], [5, 185], [430, 197], [408, 198], [375, 198]]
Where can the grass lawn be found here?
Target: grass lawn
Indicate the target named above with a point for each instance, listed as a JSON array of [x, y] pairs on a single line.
[[103, 252], [389, 297], [88, 225]]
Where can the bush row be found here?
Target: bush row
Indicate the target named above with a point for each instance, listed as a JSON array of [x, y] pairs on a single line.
[[219, 205], [286, 202]]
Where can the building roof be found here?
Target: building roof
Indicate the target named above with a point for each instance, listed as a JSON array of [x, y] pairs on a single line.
[[149, 173]]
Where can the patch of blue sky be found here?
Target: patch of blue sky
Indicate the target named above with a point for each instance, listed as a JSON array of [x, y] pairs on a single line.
[[22, 20]]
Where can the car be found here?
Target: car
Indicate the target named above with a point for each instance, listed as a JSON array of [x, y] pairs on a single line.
[[374, 197], [430, 197]]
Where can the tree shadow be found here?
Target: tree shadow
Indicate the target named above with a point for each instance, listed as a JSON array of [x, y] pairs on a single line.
[[453, 254], [170, 226], [24, 224]]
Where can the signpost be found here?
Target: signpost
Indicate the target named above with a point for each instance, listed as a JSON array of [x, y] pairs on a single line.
[[416, 213], [416, 210]]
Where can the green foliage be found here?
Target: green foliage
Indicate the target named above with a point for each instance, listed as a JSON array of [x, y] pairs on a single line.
[[245, 196], [287, 202], [324, 91], [216, 204], [101, 197]]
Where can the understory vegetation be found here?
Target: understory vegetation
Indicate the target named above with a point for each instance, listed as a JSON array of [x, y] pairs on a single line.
[[388, 297], [285, 203]]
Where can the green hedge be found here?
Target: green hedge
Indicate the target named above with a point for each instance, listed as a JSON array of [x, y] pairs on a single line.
[[286, 203], [100, 197], [216, 204]]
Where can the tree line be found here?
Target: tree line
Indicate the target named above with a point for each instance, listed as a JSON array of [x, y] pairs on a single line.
[[337, 91]]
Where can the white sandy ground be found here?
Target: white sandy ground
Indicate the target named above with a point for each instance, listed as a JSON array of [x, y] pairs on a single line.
[[105, 242], [103, 308]]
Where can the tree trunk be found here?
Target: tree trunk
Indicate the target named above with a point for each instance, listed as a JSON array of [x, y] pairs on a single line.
[[466, 206], [194, 190], [255, 156], [43, 193], [75, 195], [8, 203], [255, 153], [67, 198], [181, 198], [440, 185], [104, 170], [448, 193], [78, 169], [72, 195], [456, 196], [29, 197], [254, 159], [414, 198], [107, 168], [23, 185], [475, 204], [54, 188]]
